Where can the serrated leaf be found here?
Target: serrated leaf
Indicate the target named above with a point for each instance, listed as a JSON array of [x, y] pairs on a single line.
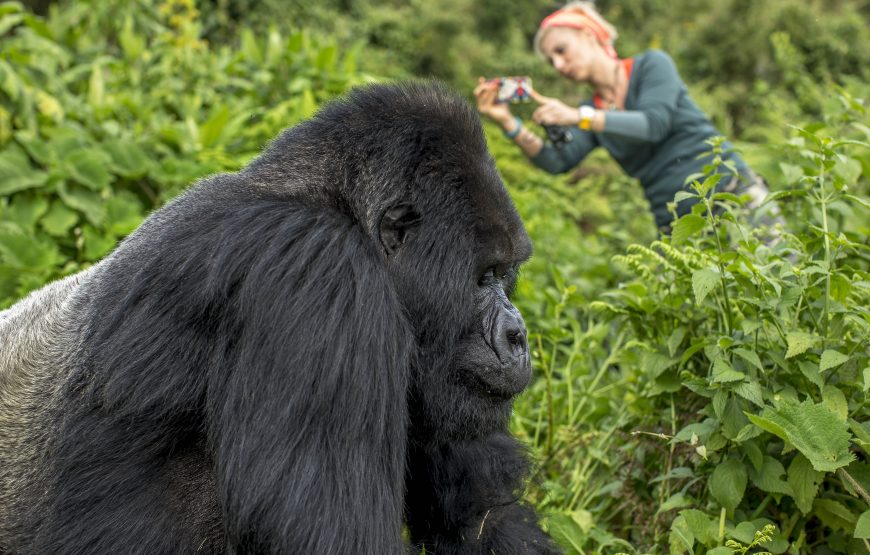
[[770, 477], [88, 167], [96, 245], [127, 158], [724, 373], [804, 482], [862, 528], [799, 342], [680, 539], [27, 252], [728, 483], [59, 219], [813, 429], [835, 400], [701, 525], [835, 515], [749, 356], [754, 454], [830, 359], [811, 372], [87, 202], [751, 392], [686, 226], [704, 281]]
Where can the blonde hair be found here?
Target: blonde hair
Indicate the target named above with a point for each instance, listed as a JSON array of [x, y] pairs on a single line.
[[585, 8]]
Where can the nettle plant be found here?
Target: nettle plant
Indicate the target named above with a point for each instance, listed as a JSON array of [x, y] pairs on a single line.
[[755, 340]]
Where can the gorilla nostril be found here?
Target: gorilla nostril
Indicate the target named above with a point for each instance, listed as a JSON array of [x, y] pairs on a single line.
[[517, 341]]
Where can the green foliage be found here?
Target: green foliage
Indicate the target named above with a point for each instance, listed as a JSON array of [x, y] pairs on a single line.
[[108, 109], [721, 382]]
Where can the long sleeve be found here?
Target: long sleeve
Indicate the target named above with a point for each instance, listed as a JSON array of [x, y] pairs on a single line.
[[561, 160], [651, 117]]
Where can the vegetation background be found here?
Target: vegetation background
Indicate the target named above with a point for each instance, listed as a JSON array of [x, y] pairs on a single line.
[[697, 393]]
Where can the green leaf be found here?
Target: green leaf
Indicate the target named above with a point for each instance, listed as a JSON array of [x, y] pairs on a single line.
[[728, 483], [704, 281], [862, 528], [16, 173], [835, 400], [723, 372], [799, 342], [27, 252], [770, 477], [835, 515], [88, 167], [811, 372], [704, 528], [86, 202], [751, 392], [813, 429], [96, 245], [26, 210], [686, 226], [210, 132], [749, 356], [59, 219], [123, 213], [804, 482], [681, 539], [127, 158], [754, 454], [830, 359]]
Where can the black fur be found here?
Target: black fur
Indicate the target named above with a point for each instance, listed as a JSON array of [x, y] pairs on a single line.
[[297, 358]]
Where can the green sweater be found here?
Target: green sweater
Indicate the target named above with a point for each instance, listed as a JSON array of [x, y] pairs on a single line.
[[657, 139]]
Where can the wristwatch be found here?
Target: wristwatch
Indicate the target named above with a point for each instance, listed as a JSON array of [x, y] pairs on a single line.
[[586, 115]]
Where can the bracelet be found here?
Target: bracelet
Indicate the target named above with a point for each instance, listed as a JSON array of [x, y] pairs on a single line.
[[513, 134], [586, 115]]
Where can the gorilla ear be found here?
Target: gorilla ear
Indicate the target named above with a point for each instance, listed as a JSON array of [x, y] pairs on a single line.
[[397, 223]]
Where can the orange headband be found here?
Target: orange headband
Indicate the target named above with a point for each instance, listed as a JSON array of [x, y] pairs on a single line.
[[577, 20]]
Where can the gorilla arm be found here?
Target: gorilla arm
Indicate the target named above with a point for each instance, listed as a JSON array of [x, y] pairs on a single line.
[[273, 330], [473, 487], [309, 420]]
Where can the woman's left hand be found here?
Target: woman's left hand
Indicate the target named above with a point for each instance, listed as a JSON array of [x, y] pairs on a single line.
[[553, 111]]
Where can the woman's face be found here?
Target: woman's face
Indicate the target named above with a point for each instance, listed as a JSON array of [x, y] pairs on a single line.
[[570, 51]]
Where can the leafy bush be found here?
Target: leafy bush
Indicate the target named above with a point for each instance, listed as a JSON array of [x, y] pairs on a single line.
[[108, 109], [723, 387]]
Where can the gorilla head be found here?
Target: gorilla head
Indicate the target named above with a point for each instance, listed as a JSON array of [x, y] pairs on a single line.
[[296, 358]]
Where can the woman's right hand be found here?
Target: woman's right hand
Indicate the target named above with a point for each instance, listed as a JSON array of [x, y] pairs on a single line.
[[486, 93]]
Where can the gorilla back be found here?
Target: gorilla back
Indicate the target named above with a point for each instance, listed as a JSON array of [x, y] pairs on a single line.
[[300, 357]]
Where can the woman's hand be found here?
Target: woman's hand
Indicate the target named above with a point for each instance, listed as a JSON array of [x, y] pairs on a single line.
[[486, 93], [553, 111]]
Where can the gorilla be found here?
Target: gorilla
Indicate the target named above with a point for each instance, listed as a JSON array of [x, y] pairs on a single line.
[[314, 355]]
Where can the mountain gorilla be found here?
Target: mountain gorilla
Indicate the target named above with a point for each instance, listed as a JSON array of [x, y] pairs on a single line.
[[298, 358]]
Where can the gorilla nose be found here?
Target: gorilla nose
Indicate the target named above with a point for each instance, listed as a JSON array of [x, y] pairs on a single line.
[[510, 336]]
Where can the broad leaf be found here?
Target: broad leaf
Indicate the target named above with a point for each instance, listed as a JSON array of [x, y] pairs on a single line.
[[830, 359], [804, 482], [813, 429], [704, 281], [685, 227], [88, 167], [799, 342], [728, 483], [862, 528]]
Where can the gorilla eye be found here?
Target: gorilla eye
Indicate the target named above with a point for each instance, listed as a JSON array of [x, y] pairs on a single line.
[[488, 276]]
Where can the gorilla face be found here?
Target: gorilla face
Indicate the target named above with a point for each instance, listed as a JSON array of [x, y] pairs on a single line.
[[473, 354]]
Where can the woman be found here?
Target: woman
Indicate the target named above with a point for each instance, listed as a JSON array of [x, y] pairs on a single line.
[[641, 113]]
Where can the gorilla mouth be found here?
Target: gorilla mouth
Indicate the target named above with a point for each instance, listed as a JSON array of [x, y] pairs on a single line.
[[501, 381]]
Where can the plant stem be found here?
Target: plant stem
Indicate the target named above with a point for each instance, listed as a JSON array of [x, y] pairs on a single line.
[[854, 483], [721, 266], [823, 200]]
